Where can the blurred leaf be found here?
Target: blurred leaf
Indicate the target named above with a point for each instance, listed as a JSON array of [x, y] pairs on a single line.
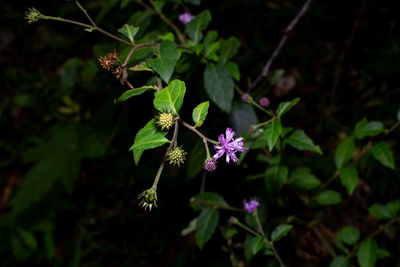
[[129, 31], [196, 160], [149, 131], [197, 25], [71, 73], [49, 245], [398, 115], [193, 2], [133, 92], [299, 140], [234, 70], [205, 226], [242, 116], [228, 49], [256, 244], [199, 113], [364, 128], [350, 235], [158, 5], [380, 211], [219, 85], [394, 207], [170, 99], [301, 180], [367, 253], [344, 151], [164, 63], [339, 261], [190, 228], [382, 153], [382, 253], [275, 177], [210, 198], [272, 132], [276, 76], [286, 106], [349, 178], [328, 197], [280, 231]]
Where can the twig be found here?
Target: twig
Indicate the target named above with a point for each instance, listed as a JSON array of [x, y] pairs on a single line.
[[288, 29], [346, 50], [159, 84], [198, 133]]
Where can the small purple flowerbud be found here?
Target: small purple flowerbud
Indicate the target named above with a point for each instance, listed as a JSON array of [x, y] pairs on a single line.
[[250, 206], [186, 17], [232, 219], [210, 166], [245, 97], [264, 102], [250, 130]]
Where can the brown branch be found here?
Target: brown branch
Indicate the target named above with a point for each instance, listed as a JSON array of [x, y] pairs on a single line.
[[288, 29]]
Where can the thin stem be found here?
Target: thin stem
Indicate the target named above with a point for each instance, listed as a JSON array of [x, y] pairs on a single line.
[[159, 84], [214, 205], [397, 124], [199, 133], [86, 14], [251, 101], [69, 21], [248, 229], [173, 142], [325, 243], [203, 181], [129, 55], [288, 29], [256, 126]]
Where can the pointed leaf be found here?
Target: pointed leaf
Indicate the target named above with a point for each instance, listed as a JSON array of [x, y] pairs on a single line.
[[350, 235], [286, 106], [299, 140], [381, 152], [129, 31], [195, 27], [133, 92], [272, 132], [234, 70], [164, 63], [228, 49], [328, 197], [344, 151], [199, 113], [380, 211], [364, 128], [349, 178], [205, 226], [339, 261], [170, 99], [280, 231], [301, 180], [367, 253], [219, 85]]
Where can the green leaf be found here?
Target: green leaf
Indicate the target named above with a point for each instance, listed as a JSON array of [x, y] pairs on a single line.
[[190, 228], [367, 253], [272, 132], [280, 231], [129, 31], [350, 235], [147, 137], [205, 226], [380, 211], [219, 85], [344, 151], [164, 63], [275, 177], [382, 153], [382, 253], [256, 244], [301, 180], [299, 140], [199, 113], [349, 178], [228, 49], [339, 261], [286, 106], [234, 70], [133, 92], [170, 99], [197, 25], [276, 76], [394, 207], [328, 197], [195, 160], [364, 128], [398, 115], [210, 199]]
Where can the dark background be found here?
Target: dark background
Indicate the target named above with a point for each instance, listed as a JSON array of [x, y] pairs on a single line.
[[99, 223]]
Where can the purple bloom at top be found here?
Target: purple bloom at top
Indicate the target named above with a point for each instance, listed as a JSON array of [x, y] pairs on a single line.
[[228, 146], [264, 102], [185, 18], [250, 206]]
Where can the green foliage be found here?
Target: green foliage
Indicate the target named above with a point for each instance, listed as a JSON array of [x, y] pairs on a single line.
[[228, 49], [133, 92], [199, 113], [205, 225], [339, 261], [299, 140], [303, 180], [286, 106], [197, 25], [382, 153], [164, 63], [367, 253], [328, 197], [129, 31], [219, 85], [345, 151], [170, 99], [387, 211], [364, 128], [280, 231], [349, 178], [272, 132], [349, 235]]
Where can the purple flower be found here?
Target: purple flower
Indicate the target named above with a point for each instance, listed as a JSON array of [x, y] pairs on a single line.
[[185, 18], [264, 102], [228, 146], [245, 97], [250, 206], [210, 165]]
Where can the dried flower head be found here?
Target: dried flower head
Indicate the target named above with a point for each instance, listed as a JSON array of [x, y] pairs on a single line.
[[33, 15], [118, 71], [210, 165], [165, 120], [176, 155], [108, 61], [148, 198]]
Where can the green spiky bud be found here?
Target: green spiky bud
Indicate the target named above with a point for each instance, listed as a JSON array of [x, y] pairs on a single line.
[[165, 120], [33, 15], [176, 155], [148, 198]]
